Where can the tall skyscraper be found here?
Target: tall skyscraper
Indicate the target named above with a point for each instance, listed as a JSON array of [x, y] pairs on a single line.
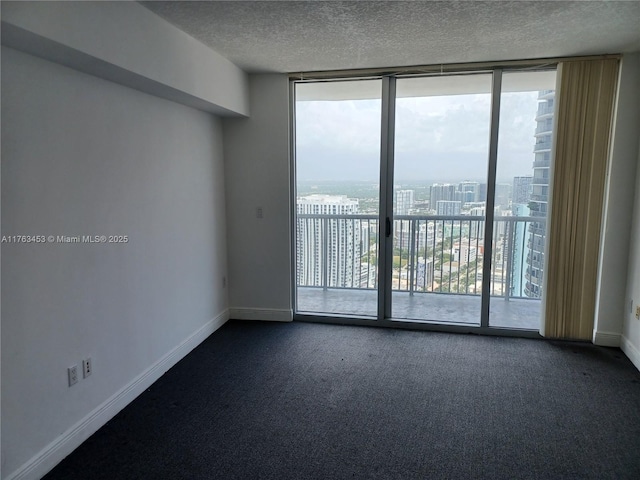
[[503, 194], [424, 274], [441, 192], [404, 202], [482, 192], [448, 208], [521, 192], [328, 249], [520, 251], [539, 193], [468, 192], [476, 228]]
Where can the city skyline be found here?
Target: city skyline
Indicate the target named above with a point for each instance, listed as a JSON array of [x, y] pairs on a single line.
[[440, 186], [366, 193]]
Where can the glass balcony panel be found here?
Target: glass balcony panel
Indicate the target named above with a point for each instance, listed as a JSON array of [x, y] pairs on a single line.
[[337, 170], [441, 140], [519, 238]]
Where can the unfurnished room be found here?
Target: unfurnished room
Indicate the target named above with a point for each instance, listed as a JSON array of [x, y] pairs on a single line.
[[320, 240]]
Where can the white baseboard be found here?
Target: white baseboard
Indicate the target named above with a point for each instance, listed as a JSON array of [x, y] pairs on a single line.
[[268, 314], [606, 339], [631, 351], [56, 451]]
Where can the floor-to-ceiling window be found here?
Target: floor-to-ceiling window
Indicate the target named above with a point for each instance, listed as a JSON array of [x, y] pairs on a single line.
[[522, 198], [442, 127], [337, 150], [423, 198]]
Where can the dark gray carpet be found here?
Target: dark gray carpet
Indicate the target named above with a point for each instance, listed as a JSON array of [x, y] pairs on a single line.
[[311, 401]]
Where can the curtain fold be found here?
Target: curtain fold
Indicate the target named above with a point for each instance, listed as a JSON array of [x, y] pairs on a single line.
[[584, 114]]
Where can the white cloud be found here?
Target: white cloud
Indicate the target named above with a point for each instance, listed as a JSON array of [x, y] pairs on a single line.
[[436, 137]]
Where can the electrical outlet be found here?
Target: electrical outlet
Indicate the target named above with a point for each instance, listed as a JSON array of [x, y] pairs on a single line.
[[72, 371], [259, 212], [638, 312], [87, 367]]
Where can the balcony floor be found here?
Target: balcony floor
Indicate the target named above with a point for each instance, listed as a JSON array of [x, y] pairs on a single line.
[[433, 307]]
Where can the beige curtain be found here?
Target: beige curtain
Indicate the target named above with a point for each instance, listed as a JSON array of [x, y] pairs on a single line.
[[583, 124]]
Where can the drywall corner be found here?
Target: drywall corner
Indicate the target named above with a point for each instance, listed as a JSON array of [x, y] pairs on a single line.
[[256, 152], [611, 301]]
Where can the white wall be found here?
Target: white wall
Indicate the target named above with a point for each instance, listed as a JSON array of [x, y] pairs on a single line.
[[127, 43], [256, 152], [612, 303], [82, 155], [631, 327]]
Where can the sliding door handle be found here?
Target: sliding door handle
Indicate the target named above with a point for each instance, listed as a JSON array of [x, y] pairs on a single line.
[[387, 227]]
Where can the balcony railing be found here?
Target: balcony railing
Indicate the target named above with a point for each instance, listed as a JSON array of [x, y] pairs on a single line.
[[439, 254], [543, 197], [544, 109], [544, 127], [540, 180], [542, 146], [541, 163]]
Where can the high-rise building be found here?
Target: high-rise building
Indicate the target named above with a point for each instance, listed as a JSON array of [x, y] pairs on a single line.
[[476, 228], [468, 192], [448, 208], [521, 192], [539, 193], [441, 192], [482, 192], [503, 194], [328, 249], [463, 253], [404, 202], [424, 274], [520, 251]]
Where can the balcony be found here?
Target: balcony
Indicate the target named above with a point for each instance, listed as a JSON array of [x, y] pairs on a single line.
[[541, 163], [540, 181], [436, 272], [542, 146], [544, 109], [544, 128], [538, 228]]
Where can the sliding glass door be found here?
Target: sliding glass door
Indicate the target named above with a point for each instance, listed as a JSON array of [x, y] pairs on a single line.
[[423, 198], [522, 198], [440, 188], [337, 147]]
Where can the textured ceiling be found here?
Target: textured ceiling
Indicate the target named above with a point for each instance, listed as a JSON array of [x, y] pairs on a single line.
[[282, 36]]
